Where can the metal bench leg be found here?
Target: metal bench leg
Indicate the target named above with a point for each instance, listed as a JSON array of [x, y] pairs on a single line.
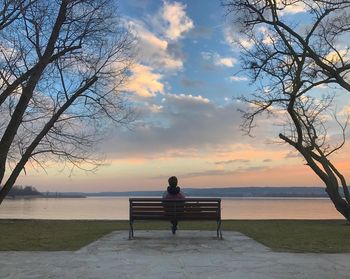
[[218, 230], [131, 230]]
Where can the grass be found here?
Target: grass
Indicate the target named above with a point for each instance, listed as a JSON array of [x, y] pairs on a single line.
[[316, 236], [52, 235]]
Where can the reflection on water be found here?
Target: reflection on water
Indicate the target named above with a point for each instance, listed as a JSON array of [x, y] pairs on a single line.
[[118, 208]]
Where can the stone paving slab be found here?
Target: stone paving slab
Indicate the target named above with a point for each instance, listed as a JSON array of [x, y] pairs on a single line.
[[158, 254]]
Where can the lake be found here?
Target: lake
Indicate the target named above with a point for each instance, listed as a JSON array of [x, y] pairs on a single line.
[[118, 208]]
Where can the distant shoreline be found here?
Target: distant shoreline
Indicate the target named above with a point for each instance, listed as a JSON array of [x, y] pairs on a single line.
[[234, 192], [17, 197], [243, 192]]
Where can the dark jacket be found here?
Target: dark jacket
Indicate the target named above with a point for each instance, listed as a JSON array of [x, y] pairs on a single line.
[[173, 193]]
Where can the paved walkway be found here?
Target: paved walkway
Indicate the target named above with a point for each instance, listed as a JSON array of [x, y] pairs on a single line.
[[158, 254]]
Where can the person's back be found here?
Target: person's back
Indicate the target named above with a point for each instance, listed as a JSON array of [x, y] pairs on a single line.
[[173, 192]]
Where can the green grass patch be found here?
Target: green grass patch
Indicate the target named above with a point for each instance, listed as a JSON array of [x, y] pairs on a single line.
[[315, 236], [52, 235]]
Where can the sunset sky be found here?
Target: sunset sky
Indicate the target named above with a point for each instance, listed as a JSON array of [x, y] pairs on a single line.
[[183, 85]]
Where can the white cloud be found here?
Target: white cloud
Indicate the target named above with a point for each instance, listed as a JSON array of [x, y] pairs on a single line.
[[235, 39], [345, 111], [229, 34], [144, 82], [226, 61], [177, 21], [219, 60], [238, 78], [206, 55], [155, 108], [246, 43], [266, 34], [337, 57], [182, 123], [291, 7], [153, 50], [159, 34], [190, 97], [150, 38]]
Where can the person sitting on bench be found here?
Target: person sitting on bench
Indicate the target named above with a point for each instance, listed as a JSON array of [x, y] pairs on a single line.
[[173, 192]]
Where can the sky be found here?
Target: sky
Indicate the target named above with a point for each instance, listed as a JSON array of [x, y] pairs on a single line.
[[183, 85]]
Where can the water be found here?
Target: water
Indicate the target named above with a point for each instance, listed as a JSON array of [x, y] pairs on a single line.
[[117, 208]]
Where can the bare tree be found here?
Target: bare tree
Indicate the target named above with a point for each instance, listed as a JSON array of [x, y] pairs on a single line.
[[289, 61], [62, 64]]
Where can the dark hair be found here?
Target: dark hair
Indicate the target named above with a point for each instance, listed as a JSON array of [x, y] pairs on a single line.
[[173, 189], [172, 181]]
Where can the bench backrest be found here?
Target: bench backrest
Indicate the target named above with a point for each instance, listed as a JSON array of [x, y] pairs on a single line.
[[164, 209]]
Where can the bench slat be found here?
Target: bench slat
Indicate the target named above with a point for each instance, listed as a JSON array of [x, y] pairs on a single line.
[[176, 212], [187, 199], [166, 203], [172, 211], [183, 218]]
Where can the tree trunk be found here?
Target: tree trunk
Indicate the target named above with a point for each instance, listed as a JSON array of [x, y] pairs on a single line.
[[4, 191], [340, 204]]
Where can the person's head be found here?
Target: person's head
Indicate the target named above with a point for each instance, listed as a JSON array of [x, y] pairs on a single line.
[[172, 181]]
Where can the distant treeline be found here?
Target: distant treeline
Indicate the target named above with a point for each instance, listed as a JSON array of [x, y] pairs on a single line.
[[311, 192], [24, 191], [247, 192]]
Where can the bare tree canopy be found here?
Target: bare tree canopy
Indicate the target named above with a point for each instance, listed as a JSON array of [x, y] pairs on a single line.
[[62, 64], [289, 60]]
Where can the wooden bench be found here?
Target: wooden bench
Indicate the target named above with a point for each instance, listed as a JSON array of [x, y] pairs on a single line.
[[189, 209]]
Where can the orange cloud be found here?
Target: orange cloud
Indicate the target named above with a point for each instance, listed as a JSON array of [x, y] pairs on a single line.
[[144, 82]]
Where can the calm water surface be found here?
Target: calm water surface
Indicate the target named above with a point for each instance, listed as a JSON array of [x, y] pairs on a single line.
[[117, 208]]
